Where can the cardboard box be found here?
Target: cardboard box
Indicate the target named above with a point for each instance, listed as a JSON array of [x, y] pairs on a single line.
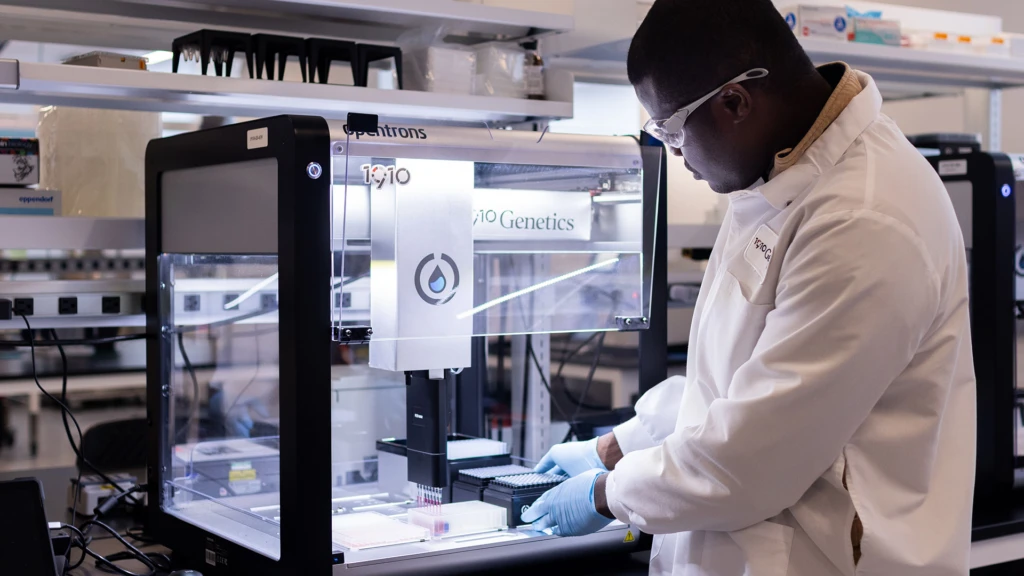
[[108, 60], [818, 21], [19, 161]]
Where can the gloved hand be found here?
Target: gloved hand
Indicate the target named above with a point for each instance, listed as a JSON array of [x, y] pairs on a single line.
[[568, 509], [238, 415], [571, 458]]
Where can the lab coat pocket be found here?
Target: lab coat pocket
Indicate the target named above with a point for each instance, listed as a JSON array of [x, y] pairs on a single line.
[[730, 328], [760, 550]]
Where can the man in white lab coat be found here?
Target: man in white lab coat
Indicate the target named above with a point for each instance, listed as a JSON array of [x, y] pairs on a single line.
[[826, 425]]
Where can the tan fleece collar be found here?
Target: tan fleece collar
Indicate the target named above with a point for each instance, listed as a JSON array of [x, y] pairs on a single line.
[[846, 89]]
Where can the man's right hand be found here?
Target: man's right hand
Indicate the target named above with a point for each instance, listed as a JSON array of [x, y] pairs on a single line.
[[574, 458]]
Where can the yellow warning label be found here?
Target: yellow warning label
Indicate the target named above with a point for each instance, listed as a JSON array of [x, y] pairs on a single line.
[[629, 537], [236, 475]]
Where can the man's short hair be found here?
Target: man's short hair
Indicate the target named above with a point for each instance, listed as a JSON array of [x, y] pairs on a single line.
[[690, 47]]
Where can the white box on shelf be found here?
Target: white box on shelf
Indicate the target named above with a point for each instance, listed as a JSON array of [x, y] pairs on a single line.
[[912, 17], [500, 71], [997, 45], [28, 201], [875, 31], [439, 69], [19, 161], [940, 41], [818, 21], [1015, 44]]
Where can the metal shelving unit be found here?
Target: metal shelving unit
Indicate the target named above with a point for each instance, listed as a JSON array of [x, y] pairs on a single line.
[[57, 84], [72, 233], [907, 66], [152, 26]]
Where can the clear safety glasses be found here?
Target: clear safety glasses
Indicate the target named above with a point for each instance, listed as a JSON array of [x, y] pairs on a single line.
[[670, 131]]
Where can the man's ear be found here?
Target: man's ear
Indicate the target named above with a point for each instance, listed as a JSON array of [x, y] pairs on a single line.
[[736, 102]]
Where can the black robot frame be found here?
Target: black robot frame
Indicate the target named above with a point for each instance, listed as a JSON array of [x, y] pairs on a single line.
[[305, 342], [306, 338], [993, 332]]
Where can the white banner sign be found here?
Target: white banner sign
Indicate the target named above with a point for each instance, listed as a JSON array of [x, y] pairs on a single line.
[[500, 214]]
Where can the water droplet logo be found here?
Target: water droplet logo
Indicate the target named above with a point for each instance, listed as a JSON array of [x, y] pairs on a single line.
[[439, 286], [436, 282]]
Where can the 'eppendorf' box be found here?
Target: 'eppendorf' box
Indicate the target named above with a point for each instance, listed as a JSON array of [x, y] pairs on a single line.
[[19, 161], [29, 201]]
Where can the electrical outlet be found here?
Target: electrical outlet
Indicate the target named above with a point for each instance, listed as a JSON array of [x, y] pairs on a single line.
[[67, 305], [24, 306], [342, 299], [192, 303], [111, 304], [268, 301]]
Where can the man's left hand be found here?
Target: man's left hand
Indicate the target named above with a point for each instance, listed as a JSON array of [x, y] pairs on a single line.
[[568, 509]]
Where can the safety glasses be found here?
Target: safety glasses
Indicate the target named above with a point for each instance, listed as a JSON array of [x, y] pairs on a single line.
[[670, 131]]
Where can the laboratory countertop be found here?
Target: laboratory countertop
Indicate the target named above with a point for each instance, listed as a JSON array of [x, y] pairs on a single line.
[[631, 565]]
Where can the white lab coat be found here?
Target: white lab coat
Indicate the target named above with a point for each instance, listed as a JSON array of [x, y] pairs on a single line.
[[851, 357]]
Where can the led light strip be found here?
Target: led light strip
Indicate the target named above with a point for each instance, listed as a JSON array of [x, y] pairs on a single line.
[[534, 288], [248, 293]]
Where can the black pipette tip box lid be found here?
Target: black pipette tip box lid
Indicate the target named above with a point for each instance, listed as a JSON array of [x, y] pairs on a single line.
[[517, 493], [471, 482]]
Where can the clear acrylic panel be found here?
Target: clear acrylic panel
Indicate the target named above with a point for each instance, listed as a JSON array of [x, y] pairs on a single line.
[[439, 234], [223, 410], [451, 232]]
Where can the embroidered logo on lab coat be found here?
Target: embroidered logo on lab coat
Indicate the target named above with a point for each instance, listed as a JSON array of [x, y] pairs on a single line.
[[760, 250]]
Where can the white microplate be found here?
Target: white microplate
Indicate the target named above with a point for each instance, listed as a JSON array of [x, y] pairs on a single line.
[[459, 519], [371, 529], [476, 448]]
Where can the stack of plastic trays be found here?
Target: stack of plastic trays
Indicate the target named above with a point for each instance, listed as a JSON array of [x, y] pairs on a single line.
[[476, 448], [459, 519], [370, 530], [471, 483], [516, 494]]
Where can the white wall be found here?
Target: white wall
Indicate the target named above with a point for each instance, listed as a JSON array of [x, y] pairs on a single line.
[[602, 109]]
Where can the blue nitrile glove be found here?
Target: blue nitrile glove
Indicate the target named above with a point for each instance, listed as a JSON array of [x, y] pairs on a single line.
[[568, 509], [237, 416], [571, 459]]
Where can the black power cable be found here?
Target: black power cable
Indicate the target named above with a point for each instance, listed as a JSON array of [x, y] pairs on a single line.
[[590, 375], [67, 430], [255, 374], [182, 330], [63, 406], [590, 380], [154, 561], [193, 416], [78, 342], [579, 401], [544, 381]]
